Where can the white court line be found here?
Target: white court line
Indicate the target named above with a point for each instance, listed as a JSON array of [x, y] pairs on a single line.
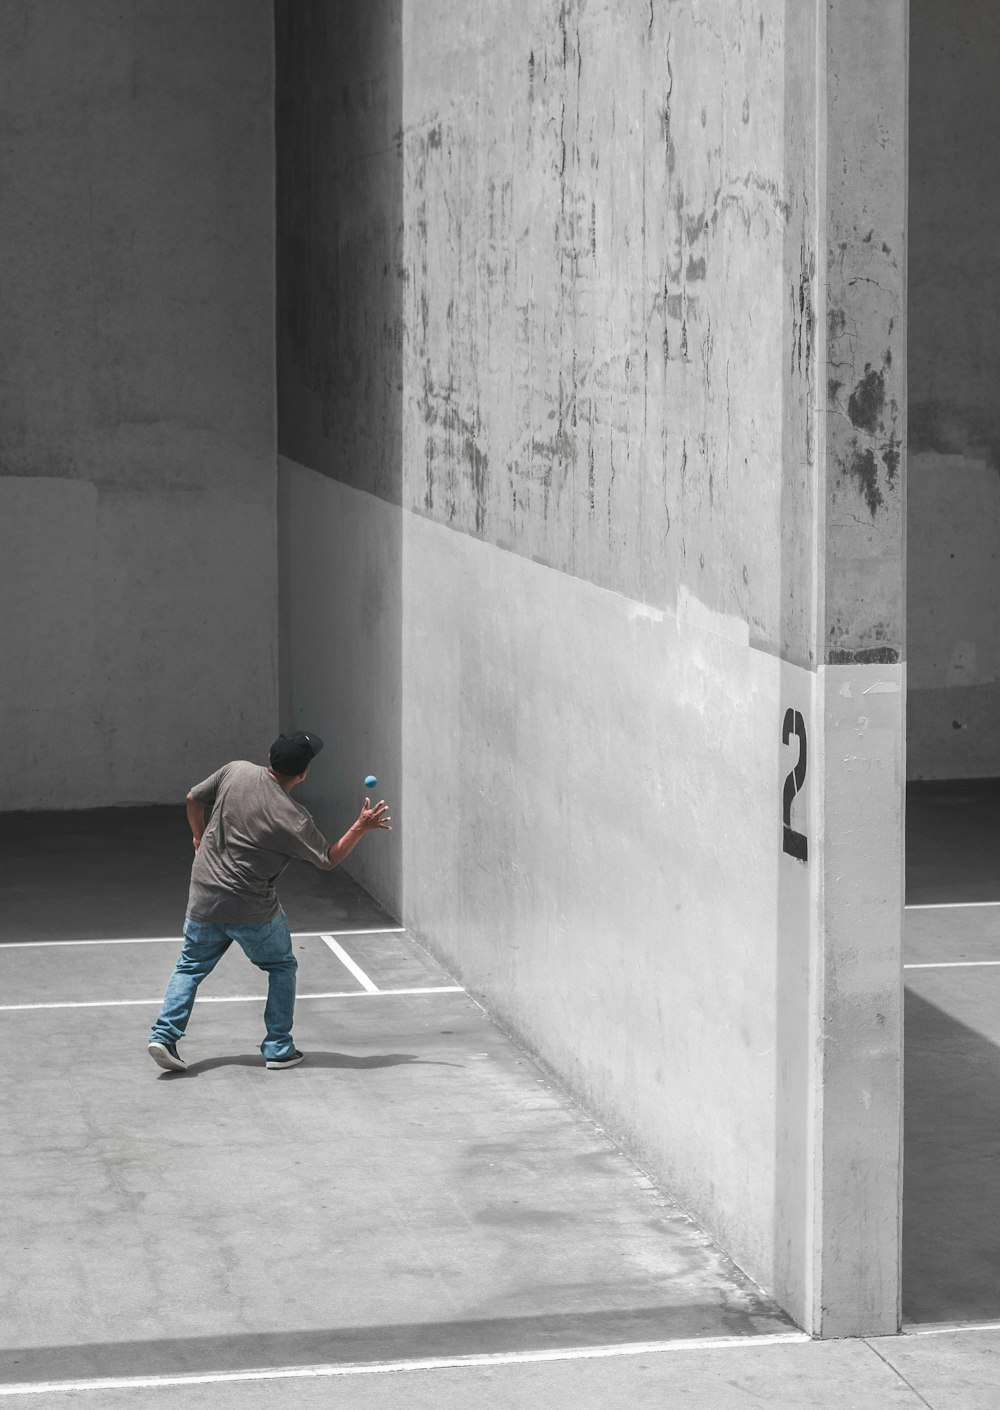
[[230, 999], [178, 938], [138, 940], [955, 964], [430, 1363], [381, 930], [349, 964], [937, 1329], [950, 905]]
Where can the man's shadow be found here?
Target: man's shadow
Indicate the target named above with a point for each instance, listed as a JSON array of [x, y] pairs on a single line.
[[313, 1059]]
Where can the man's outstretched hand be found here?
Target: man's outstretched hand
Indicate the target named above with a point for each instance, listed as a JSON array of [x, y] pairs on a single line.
[[373, 817], [369, 819]]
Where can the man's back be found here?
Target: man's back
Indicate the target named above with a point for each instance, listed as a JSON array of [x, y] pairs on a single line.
[[255, 829]]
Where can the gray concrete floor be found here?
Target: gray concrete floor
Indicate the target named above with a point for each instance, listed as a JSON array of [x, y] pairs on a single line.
[[416, 1190], [953, 1372]]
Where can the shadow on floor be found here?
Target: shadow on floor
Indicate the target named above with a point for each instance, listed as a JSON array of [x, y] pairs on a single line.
[[338, 1061], [952, 841], [951, 1171], [123, 873], [363, 1345]]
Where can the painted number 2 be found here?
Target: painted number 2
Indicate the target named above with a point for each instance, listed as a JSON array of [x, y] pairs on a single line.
[[795, 843]]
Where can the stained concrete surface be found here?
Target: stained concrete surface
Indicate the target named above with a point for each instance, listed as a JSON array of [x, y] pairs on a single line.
[[416, 1188]]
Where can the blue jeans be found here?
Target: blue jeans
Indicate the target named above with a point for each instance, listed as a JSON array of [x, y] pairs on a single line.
[[268, 946]]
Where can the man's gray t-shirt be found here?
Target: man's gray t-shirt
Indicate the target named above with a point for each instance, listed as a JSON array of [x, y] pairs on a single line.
[[254, 832]]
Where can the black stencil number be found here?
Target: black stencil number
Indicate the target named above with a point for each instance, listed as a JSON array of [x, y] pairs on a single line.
[[795, 843]]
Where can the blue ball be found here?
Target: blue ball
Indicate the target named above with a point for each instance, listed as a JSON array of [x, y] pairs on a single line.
[[371, 781]]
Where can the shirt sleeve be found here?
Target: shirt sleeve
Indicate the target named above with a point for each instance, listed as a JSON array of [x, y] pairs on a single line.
[[308, 844], [205, 791]]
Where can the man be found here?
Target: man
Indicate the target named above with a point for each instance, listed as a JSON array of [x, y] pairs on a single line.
[[255, 829]]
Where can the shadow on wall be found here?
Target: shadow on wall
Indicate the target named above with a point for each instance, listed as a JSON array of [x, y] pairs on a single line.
[[338, 114], [951, 1217], [339, 374]]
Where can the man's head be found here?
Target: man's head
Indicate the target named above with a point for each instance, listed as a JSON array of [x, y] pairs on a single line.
[[291, 755]]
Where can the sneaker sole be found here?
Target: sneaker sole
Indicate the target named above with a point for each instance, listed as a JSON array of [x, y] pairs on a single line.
[[275, 1063], [163, 1059]]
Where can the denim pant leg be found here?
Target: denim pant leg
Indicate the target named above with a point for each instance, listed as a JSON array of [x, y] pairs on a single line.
[[204, 946], [270, 949]]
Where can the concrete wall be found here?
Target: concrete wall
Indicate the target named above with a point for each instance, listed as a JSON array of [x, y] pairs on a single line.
[[607, 240], [610, 529], [954, 358], [137, 455]]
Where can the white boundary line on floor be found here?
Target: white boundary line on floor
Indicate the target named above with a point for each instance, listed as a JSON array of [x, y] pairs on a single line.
[[349, 964], [937, 1329], [950, 905], [955, 964], [232, 999], [381, 930], [178, 939], [430, 1363]]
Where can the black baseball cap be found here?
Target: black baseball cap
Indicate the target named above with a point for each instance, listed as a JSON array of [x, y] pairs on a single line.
[[292, 754]]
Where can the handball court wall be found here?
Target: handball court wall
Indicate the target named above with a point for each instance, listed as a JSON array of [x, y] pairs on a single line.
[[591, 351], [953, 359], [137, 424]]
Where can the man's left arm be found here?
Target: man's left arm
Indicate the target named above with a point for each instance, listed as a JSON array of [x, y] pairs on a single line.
[[309, 845], [369, 819]]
